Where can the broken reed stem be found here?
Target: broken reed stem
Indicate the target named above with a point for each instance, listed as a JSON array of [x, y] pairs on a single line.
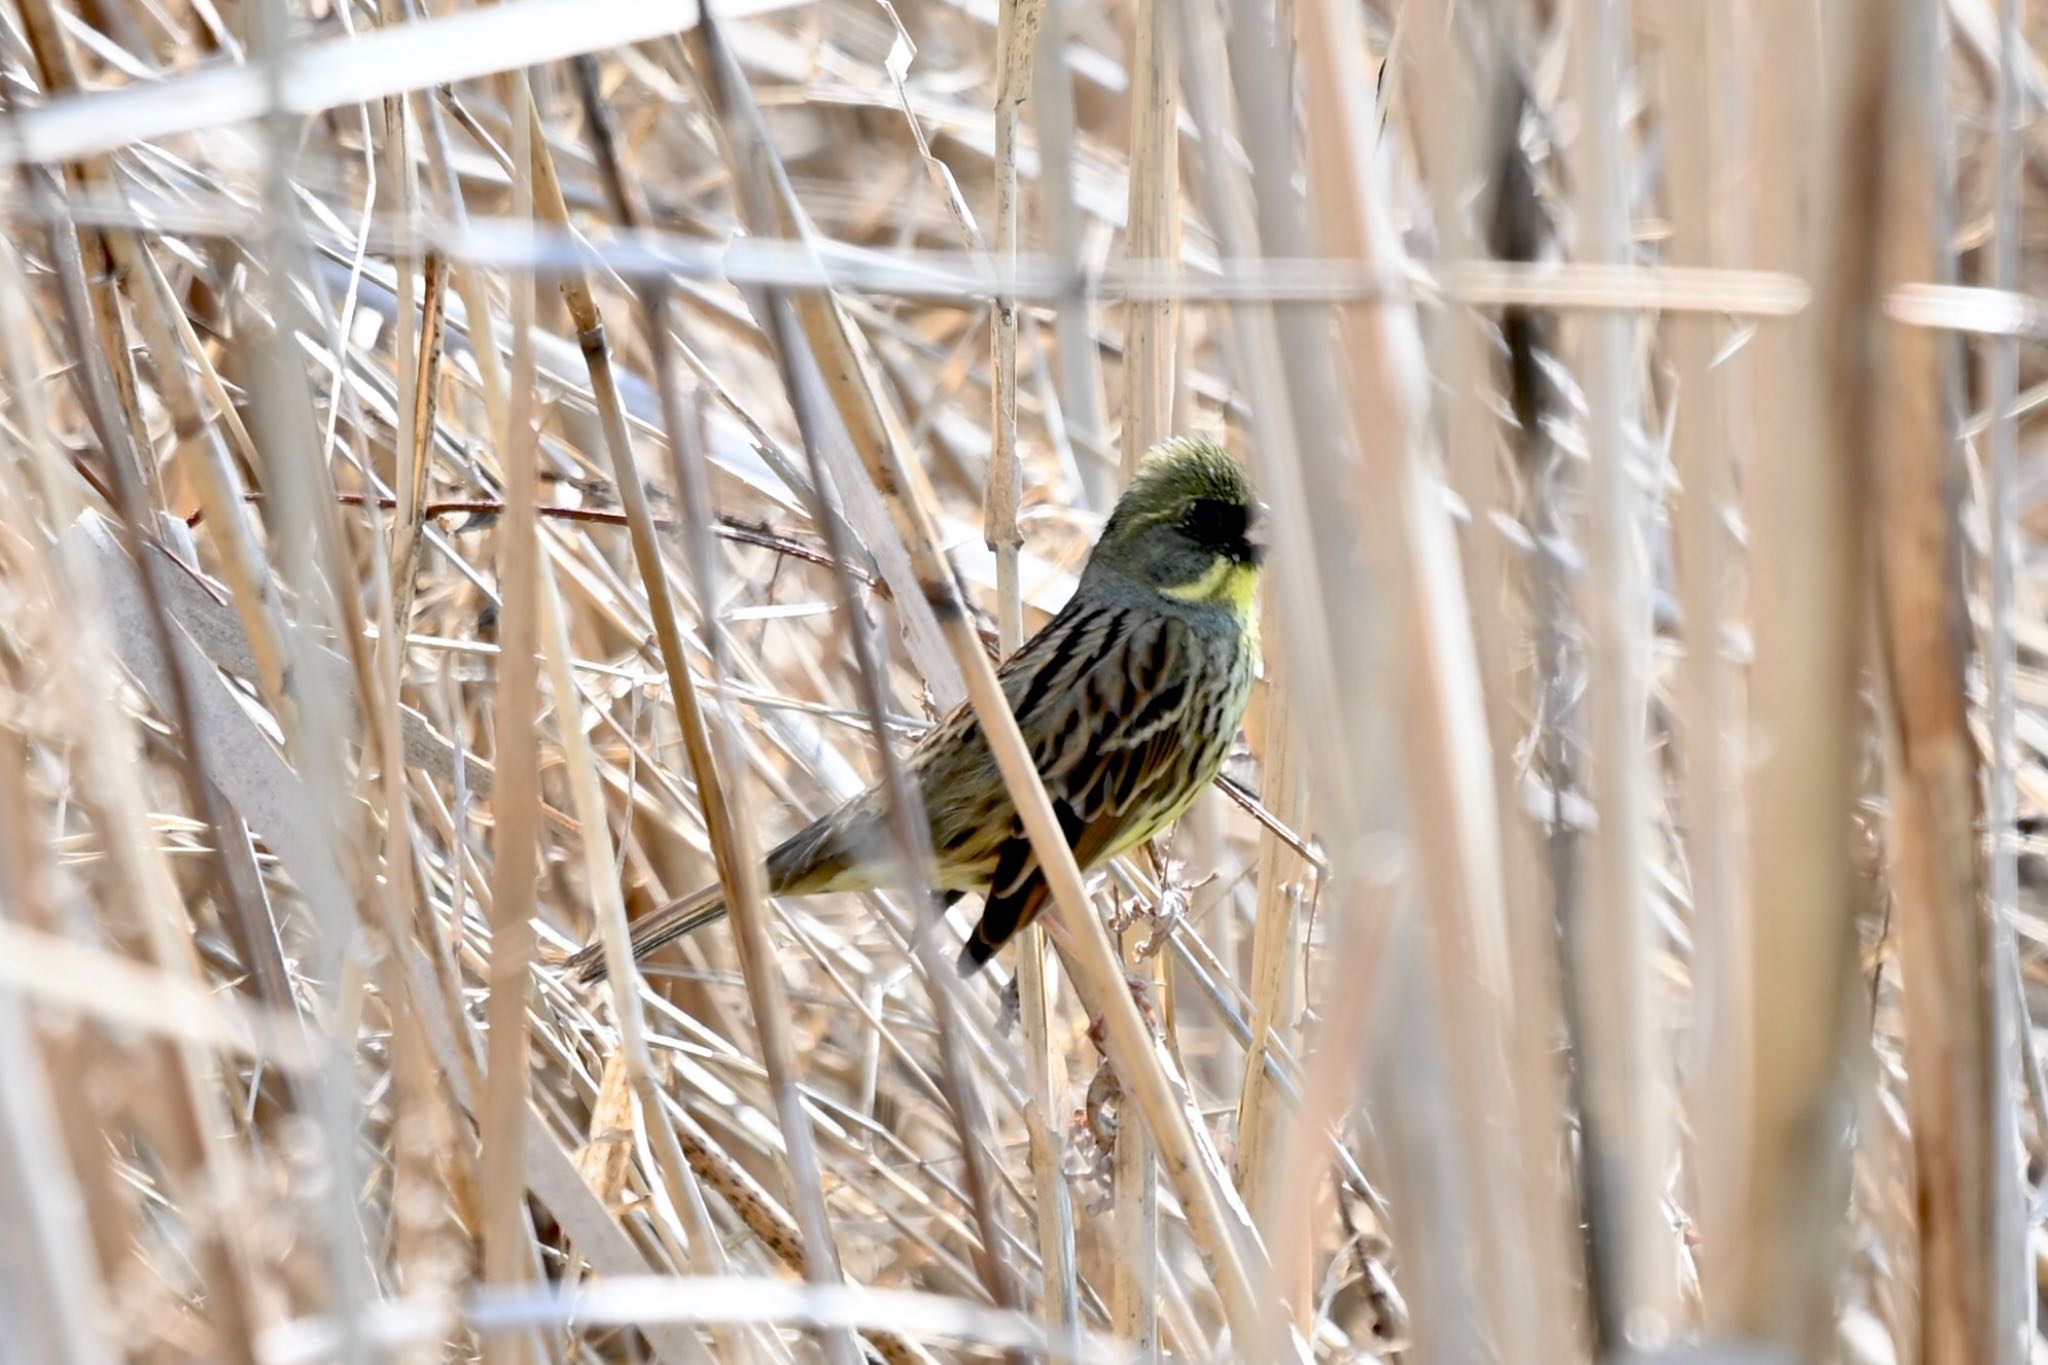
[[471, 282], [411, 328]]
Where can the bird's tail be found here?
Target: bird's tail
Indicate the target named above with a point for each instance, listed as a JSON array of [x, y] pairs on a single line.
[[650, 932]]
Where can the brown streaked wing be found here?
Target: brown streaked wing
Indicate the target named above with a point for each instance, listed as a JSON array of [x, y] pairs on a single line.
[[1114, 748], [1101, 742]]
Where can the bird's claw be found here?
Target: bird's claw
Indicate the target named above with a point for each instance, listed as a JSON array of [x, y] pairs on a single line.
[[1140, 986]]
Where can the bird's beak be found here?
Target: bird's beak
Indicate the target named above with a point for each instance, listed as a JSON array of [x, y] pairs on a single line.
[[1258, 533]]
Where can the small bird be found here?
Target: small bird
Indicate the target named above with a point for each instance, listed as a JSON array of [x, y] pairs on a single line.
[[1128, 699]]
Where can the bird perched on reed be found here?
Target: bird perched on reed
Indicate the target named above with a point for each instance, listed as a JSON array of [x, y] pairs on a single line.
[[1128, 699]]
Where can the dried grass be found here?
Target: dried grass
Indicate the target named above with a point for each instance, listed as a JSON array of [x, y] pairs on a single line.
[[471, 475]]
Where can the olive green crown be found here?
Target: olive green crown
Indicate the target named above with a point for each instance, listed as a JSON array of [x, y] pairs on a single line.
[[1174, 474]]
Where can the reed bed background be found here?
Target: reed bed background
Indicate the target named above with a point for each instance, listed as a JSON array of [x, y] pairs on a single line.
[[475, 473]]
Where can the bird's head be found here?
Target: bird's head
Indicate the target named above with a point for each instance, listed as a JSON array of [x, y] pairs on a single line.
[[1189, 526]]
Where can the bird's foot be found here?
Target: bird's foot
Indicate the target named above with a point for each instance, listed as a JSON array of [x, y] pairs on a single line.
[[1163, 917], [1140, 986]]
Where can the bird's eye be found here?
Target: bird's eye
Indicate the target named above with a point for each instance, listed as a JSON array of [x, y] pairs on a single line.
[[1212, 521]]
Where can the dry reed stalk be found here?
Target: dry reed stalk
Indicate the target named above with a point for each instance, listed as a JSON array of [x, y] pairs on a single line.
[[610, 909], [1803, 504], [679, 1160], [1625, 1119], [56, 1178], [1958, 1085], [1275, 993], [1076, 360], [414, 324], [188, 1127], [63, 1317], [1460, 150], [1274, 989], [183, 1115], [515, 863], [425, 1238], [1315, 560], [314, 562], [470, 282], [423, 1235], [416, 435], [730, 831], [1262, 1115], [1447, 767], [42, 27], [1151, 234], [371, 826], [1016, 45], [86, 1173], [2011, 1302], [126, 448], [1216, 1221], [764, 190], [1711, 798]]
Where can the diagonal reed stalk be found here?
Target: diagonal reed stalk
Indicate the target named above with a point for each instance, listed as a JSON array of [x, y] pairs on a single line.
[[1216, 1222], [305, 474]]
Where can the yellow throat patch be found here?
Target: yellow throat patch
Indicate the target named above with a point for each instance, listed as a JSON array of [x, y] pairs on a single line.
[[1226, 583]]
